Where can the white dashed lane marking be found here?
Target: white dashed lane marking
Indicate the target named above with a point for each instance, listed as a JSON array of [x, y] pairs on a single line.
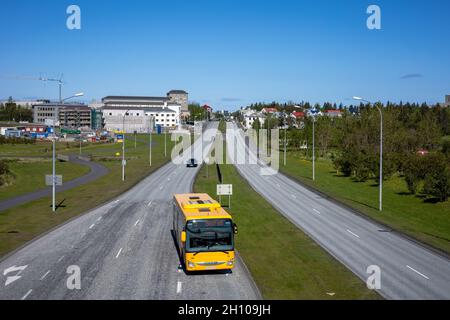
[[353, 234], [45, 275], [419, 273], [27, 294]]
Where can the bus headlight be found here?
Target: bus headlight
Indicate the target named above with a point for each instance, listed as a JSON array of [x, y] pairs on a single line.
[[191, 264], [230, 263]]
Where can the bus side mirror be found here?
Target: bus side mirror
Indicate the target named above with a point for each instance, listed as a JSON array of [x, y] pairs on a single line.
[[235, 228], [183, 236]]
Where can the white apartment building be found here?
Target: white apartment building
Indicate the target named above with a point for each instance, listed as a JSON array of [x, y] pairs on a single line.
[[140, 119], [249, 119], [139, 114]]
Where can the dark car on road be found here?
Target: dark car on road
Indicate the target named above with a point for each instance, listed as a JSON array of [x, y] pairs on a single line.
[[192, 163]]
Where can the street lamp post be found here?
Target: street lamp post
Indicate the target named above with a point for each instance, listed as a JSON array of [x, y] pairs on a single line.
[[61, 101], [380, 196], [123, 145], [314, 149], [285, 140], [150, 141]]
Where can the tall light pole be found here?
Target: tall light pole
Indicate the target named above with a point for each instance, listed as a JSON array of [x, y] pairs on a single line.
[[285, 139], [314, 148], [381, 151], [123, 145], [61, 101], [150, 141], [165, 142]]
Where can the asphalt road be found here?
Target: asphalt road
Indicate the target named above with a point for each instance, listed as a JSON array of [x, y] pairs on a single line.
[[124, 250], [97, 171], [408, 269]]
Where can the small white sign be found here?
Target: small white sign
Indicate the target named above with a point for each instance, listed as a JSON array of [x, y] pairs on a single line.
[[224, 189], [49, 180], [124, 163]]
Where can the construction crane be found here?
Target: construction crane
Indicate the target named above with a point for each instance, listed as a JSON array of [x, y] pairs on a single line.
[[40, 78]]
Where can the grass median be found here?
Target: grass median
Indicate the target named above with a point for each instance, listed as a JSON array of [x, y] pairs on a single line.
[[23, 223], [284, 262], [425, 221]]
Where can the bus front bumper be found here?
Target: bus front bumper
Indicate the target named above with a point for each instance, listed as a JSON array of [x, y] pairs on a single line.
[[210, 261]]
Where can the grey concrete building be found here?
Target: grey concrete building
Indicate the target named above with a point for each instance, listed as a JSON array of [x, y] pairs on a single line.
[[447, 100], [68, 115]]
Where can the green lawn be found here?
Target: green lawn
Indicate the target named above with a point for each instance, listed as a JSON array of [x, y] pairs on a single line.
[[284, 261], [29, 175], [427, 222], [21, 224]]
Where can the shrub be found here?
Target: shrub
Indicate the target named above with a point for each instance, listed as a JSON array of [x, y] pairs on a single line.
[[4, 168]]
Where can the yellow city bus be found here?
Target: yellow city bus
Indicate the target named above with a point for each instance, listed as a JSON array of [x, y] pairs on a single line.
[[204, 232]]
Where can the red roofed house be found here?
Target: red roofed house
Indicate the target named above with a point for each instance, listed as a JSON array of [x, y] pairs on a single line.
[[333, 113], [298, 114], [269, 110], [208, 109]]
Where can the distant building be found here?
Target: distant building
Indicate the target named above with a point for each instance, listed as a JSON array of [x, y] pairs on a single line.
[[269, 110], [140, 119], [333, 113], [97, 119], [298, 115], [28, 104], [68, 115], [75, 117], [179, 97], [447, 100], [250, 119], [139, 113], [208, 110]]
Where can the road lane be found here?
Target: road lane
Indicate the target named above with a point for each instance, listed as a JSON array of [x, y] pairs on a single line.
[[353, 240], [120, 258]]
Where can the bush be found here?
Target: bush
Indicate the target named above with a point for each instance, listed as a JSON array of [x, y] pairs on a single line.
[[437, 181], [446, 148], [14, 140], [415, 170], [4, 168], [6, 177]]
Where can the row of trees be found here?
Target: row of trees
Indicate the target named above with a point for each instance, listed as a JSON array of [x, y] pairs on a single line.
[[15, 140], [197, 112], [414, 145], [12, 112]]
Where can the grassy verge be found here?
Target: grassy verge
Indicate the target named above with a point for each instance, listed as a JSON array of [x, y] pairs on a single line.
[[21, 224], [427, 222], [29, 176], [284, 261]]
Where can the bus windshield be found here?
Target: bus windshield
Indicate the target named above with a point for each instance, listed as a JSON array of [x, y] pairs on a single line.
[[209, 235]]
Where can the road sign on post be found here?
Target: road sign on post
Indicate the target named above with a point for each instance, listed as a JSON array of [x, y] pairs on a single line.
[[225, 190], [49, 180]]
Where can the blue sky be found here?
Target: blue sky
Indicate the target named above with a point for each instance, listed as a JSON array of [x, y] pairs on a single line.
[[228, 53]]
